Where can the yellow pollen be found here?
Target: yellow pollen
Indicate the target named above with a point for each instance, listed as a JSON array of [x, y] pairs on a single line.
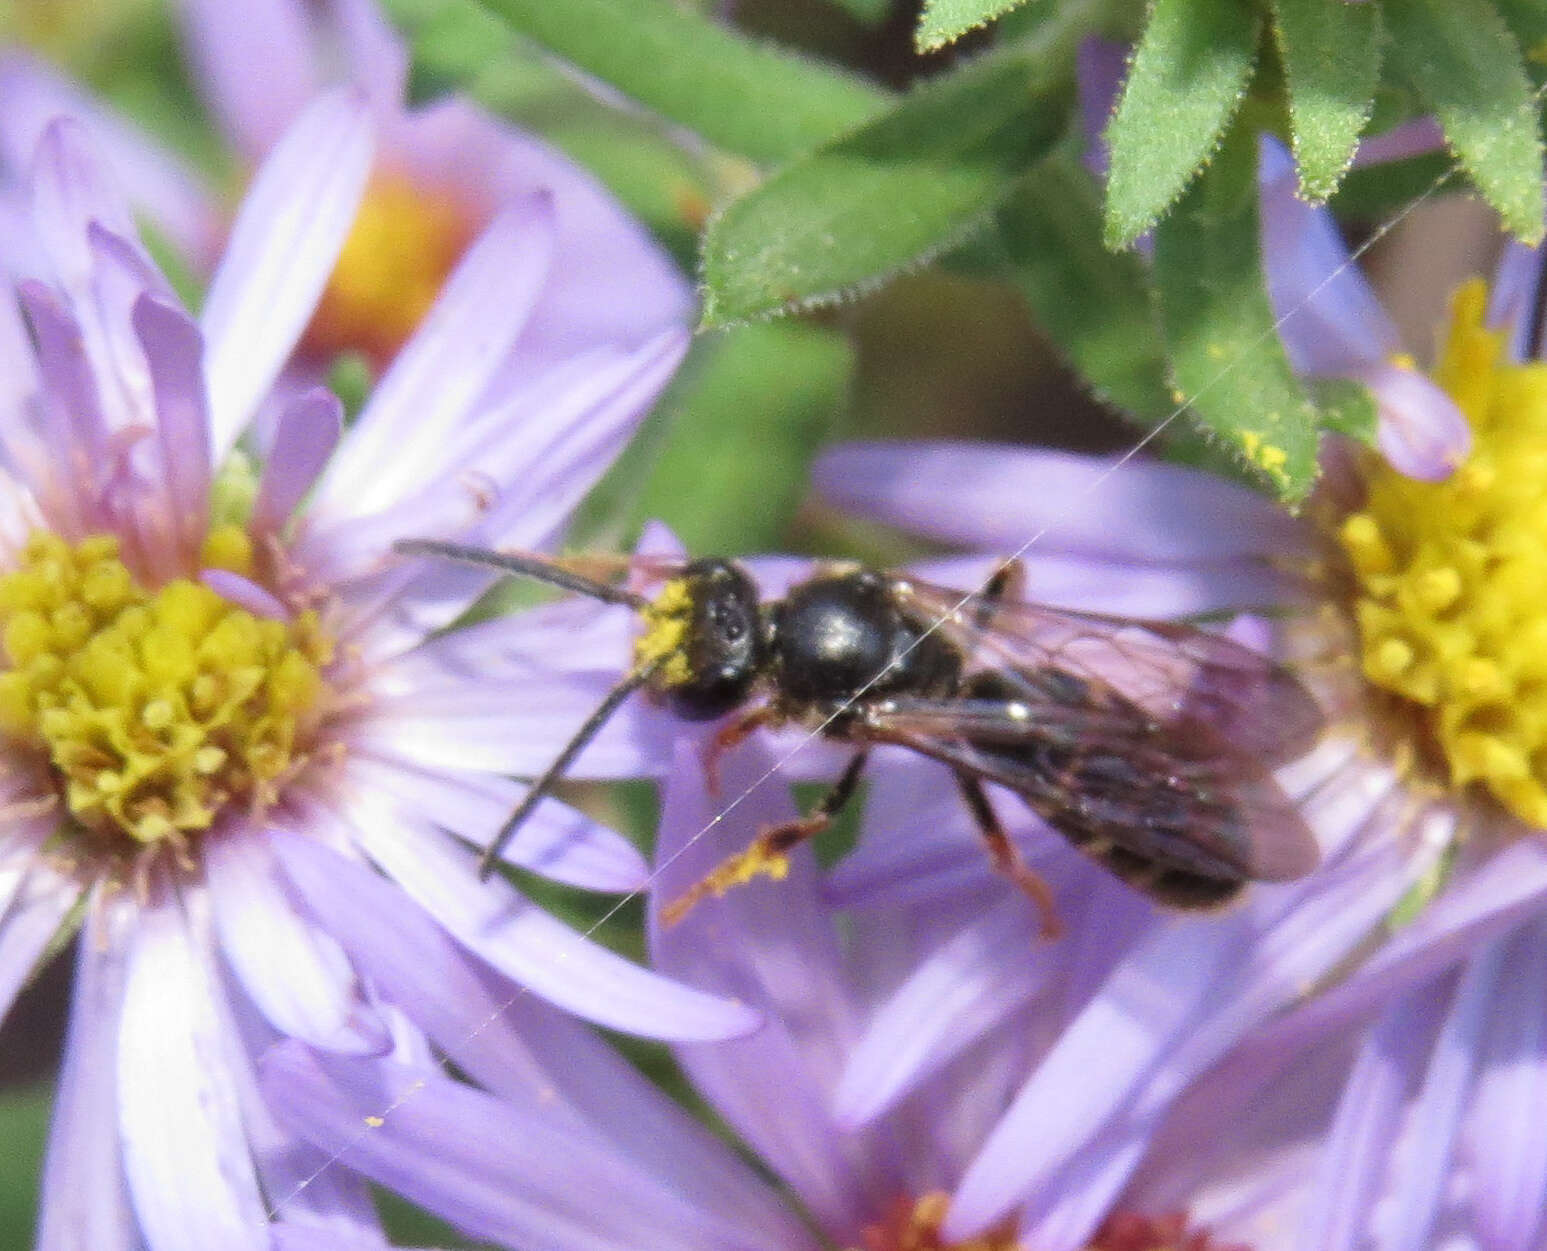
[[404, 242], [915, 1226], [1452, 576], [155, 708], [667, 622]]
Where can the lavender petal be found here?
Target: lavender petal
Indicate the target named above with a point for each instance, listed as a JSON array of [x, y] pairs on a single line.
[[305, 438], [284, 242], [185, 1152]]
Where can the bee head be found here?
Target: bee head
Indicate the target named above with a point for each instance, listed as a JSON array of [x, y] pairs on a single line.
[[705, 631]]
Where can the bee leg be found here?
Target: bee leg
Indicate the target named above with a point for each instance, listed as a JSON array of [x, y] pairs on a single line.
[[1008, 582], [769, 853], [727, 737], [1007, 857]]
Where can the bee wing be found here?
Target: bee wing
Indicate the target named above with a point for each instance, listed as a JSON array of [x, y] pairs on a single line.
[[1181, 797], [1177, 673]]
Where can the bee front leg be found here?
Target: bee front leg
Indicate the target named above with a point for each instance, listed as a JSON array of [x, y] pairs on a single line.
[[769, 853], [1007, 857], [729, 736]]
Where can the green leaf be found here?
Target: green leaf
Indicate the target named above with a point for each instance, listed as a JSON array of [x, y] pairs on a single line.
[[747, 97], [1376, 192], [1527, 21], [1189, 74], [1461, 58], [895, 194], [946, 20], [24, 1114], [1331, 55], [1346, 407], [870, 12], [1095, 304], [756, 411], [1227, 360]]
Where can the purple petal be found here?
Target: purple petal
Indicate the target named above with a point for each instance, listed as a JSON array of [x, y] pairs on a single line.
[[556, 841], [1001, 498], [244, 591], [1424, 1168], [1422, 432], [611, 283], [1352, 1170], [174, 351], [296, 975], [72, 420], [957, 995], [185, 1153], [1414, 137], [283, 245], [1507, 1150], [165, 190], [1329, 317], [1173, 1006], [526, 943], [771, 945], [256, 65], [1514, 294], [84, 1201], [307, 434], [409, 430], [29, 924], [71, 190], [450, 1148], [1483, 905], [514, 1043], [1101, 66], [376, 57]]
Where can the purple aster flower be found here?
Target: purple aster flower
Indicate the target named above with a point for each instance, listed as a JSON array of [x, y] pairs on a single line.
[[209, 660], [1411, 607], [560, 1145], [440, 175]]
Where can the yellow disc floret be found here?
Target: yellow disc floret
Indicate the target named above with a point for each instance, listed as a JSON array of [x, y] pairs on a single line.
[[1452, 576], [156, 709], [404, 242]]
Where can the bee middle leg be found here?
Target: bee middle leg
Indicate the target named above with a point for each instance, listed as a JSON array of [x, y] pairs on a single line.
[[1008, 582], [727, 737], [768, 854], [1007, 857]]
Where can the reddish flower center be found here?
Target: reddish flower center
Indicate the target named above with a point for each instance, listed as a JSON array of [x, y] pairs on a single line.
[[1128, 1231], [914, 1225]]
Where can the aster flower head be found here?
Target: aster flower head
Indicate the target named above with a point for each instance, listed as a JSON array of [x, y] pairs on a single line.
[[561, 1144], [439, 175], [1403, 603], [205, 657]]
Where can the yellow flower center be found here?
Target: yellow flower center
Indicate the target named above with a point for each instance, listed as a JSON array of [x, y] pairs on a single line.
[[914, 1225], [159, 708], [404, 242], [1452, 576]]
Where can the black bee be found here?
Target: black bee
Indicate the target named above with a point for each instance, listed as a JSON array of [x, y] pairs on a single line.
[[1148, 745]]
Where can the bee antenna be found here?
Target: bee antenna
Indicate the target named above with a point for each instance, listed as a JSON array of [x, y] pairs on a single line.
[[544, 785], [531, 566]]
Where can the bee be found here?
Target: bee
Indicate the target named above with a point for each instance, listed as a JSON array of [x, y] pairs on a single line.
[[1148, 745]]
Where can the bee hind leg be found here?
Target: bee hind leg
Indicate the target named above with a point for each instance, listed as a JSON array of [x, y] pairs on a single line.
[[1007, 857], [768, 854]]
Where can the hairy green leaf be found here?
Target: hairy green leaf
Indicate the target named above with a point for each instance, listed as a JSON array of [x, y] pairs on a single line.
[[894, 194], [1461, 58], [1189, 74], [1331, 55], [946, 20], [747, 97], [1227, 360], [1095, 304]]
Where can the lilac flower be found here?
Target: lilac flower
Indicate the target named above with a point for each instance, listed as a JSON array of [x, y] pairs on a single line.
[[207, 662], [565, 1146], [1411, 607], [440, 175]]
